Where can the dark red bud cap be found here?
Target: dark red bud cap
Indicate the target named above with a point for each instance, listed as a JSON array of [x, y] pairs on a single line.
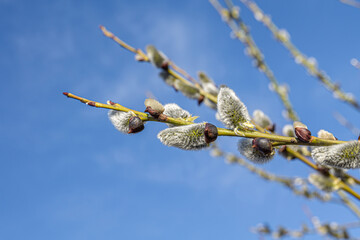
[[211, 133], [263, 145], [135, 125], [152, 112], [165, 65], [282, 149], [66, 94], [271, 127], [303, 134], [91, 104], [201, 99]]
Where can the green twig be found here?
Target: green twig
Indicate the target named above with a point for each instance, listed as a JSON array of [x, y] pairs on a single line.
[[172, 72], [241, 32], [300, 57]]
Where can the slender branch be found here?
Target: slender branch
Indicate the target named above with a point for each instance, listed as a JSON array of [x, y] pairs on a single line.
[[290, 183], [322, 229], [241, 32], [221, 131], [145, 58], [355, 209], [343, 121], [342, 185], [183, 72], [123, 44], [352, 3], [300, 57]]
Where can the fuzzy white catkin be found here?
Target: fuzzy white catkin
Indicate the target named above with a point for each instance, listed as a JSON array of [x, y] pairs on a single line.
[[173, 110], [288, 130], [254, 155], [323, 183], [120, 120], [345, 155], [231, 111], [325, 135], [168, 79], [157, 58], [210, 103], [187, 89], [154, 104], [261, 119], [190, 137], [207, 84]]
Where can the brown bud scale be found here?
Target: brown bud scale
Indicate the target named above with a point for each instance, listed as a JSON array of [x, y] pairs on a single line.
[[152, 112], [271, 128], [303, 134], [211, 133], [263, 145], [135, 125], [201, 99], [91, 104], [165, 65]]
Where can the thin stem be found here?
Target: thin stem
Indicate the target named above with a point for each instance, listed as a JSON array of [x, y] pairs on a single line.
[[342, 185], [352, 206], [172, 72], [349, 190], [287, 182], [343, 121], [221, 131], [300, 57], [201, 91], [183, 72], [123, 44], [241, 32]]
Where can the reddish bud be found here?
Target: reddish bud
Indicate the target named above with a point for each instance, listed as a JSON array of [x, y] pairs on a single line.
[[66, 94], [135, 125], [263, 145], [271, 128], [152, 112], [282, 149], [211, 133], [303, 134], [91, 104], [200, 99], [165, 65]]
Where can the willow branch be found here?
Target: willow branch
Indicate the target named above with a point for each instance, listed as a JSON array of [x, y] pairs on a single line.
[[291, 183], [221, 131], [352, 206], [343, 121], [300, 57], [241, 32], [352, 3], [342, 185], [172, 72]]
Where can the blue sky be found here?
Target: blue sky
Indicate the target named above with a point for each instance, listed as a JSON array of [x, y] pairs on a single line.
[[66, 173]]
